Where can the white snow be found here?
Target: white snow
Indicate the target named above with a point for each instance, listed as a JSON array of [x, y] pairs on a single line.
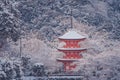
[[50, 77], [38, 64], [72, 49], [98, 6], [71, 60], [72, 35]]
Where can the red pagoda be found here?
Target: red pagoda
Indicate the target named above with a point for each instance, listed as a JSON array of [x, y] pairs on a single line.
[[72, 50]]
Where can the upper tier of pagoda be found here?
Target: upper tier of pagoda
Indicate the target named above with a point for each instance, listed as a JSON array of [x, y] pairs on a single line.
[[72, 35]]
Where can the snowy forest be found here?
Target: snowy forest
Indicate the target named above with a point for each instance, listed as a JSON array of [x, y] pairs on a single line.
[[29, 31]]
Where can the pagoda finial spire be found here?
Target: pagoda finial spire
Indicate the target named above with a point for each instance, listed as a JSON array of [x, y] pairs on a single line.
[[72, 19]]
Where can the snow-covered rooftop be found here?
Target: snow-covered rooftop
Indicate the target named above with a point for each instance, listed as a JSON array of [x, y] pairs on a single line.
[[70, 60], [76, 49], [71, 35]]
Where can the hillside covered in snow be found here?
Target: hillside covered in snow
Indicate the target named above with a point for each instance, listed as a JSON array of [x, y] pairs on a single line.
[[35, 25]]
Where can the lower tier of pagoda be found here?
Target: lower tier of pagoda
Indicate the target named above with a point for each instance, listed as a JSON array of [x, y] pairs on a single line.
[[71, 55], [68, 63]]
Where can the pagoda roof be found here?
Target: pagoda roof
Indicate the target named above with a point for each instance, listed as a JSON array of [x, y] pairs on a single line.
[[72, 49], [67, 60], [72, 35]]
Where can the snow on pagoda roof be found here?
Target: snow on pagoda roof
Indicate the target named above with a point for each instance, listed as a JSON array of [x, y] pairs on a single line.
[[71, 35], [72, 49], [70, 60]]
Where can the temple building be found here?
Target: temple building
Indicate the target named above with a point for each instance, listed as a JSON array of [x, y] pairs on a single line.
[[72, 50]]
